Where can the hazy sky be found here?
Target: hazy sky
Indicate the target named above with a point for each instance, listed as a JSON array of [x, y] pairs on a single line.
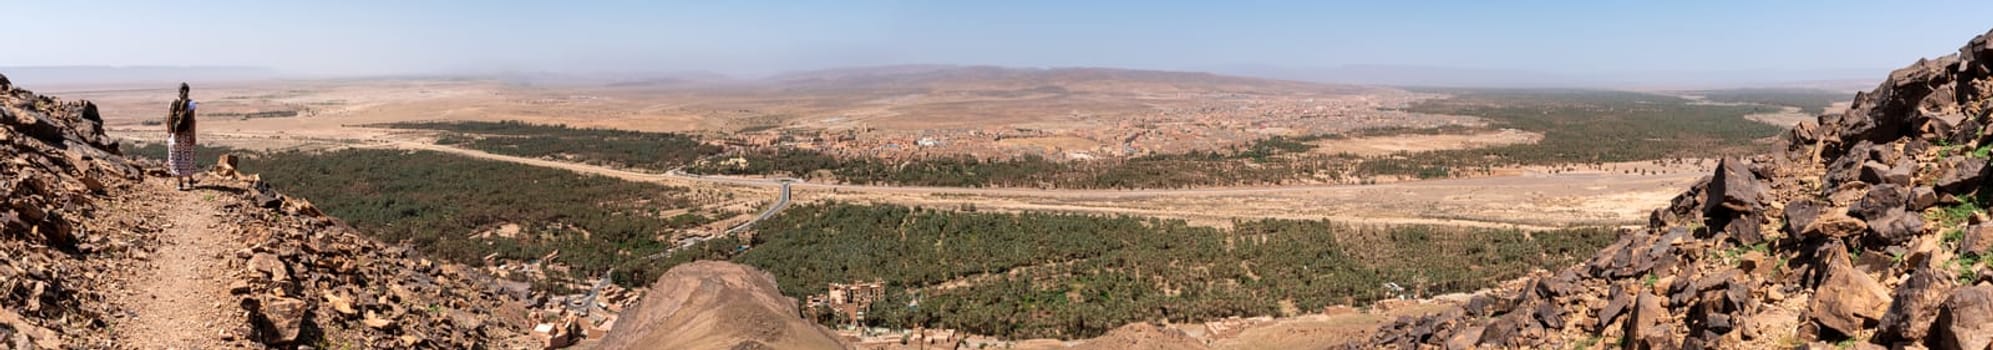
[[757, 37]]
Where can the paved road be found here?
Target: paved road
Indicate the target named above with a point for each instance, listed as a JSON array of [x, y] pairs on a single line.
[[781, 201]]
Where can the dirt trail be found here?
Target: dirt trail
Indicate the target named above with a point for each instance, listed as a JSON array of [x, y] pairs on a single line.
[[181, 301]]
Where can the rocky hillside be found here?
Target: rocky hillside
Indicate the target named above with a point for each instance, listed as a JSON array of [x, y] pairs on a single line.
[[716, 305], [98, 252], [1867, 231]]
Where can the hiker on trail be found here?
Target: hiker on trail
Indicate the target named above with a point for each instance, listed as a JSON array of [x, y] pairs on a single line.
[[180, 140]]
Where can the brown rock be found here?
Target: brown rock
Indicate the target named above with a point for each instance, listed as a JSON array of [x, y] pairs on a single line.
[[1848, 299], [1880, 200], [239, 287], [1978, 240], [1620, 301], [376, 322], [37, 336], [279, 319], [1902, 174], [1897, 225], [1643, 328], [270, 266], [227, 163], [1835, 224], [1962, 175], [1745, 229], [1733, 187], [1800, 213], [1916, 306], [1922, 197], [1549, 315], [1966, 321], [341, 303], [1873, 172], [1465, 339], [1753, 262]]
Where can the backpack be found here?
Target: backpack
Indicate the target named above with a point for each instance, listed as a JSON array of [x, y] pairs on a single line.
[[179, 117]]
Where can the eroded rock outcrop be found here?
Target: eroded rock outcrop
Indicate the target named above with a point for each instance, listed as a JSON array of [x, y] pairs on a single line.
[[1863, 230], [55, 167], [716, 305]]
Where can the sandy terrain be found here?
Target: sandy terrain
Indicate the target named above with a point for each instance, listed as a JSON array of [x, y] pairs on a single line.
[[1384, 145], [1050, 143], [1006, 113], [1786, 117]]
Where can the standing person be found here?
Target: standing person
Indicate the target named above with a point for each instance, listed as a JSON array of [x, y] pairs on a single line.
[[180, 140]]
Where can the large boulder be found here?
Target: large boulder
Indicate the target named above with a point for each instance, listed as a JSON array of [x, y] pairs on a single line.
[[1896, 225], [1879, 200], [1848, 299], [1962, 175], [1966, 322], [1916, 305], [1733, 188]]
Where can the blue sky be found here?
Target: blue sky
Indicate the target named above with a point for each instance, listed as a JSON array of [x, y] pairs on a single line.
[[760, 37]]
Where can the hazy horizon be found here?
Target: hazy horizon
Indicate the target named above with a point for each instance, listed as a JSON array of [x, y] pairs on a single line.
[[1550, 43]]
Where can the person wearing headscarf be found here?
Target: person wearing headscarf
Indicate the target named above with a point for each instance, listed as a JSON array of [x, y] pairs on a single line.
[[180, 140]]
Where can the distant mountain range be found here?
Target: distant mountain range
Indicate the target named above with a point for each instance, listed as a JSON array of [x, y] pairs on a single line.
[[881, 76], [86, 75], [1434, 76], [1073, 78]]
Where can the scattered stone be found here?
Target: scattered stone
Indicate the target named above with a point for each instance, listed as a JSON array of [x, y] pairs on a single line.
[[65, 186]]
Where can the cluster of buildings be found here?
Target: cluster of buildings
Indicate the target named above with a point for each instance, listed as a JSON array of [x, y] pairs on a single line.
[[848, 301]]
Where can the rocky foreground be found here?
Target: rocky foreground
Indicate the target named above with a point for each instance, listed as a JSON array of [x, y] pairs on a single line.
[[74, 252], [1867, 231]]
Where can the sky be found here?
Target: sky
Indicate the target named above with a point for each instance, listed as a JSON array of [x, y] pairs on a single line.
[[1591, 38]]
